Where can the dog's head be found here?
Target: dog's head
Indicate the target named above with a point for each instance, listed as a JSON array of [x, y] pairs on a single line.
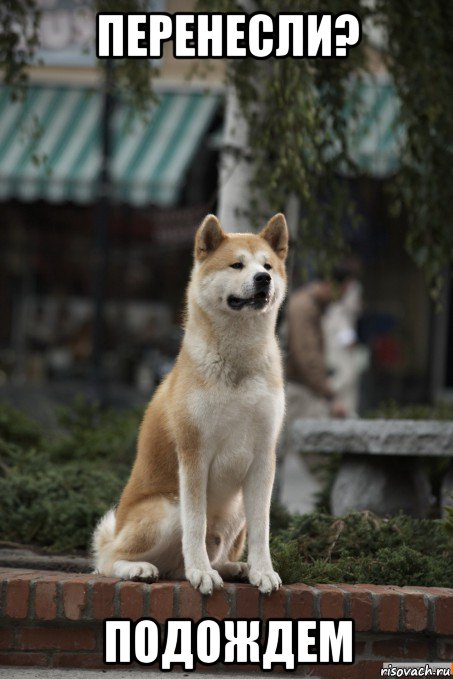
[[239, 273]]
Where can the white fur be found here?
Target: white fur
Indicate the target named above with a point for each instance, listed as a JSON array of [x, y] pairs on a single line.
[[103, 537], [212, 291], [238, 413], [166, 553], [135, 570]]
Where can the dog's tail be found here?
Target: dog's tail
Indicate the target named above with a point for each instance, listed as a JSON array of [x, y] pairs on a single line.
[[103, 537]]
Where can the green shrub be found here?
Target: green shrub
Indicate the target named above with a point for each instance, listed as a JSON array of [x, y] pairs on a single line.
[[392, 410], [54, 506], [361, 547], [92, 433], [53, 489], [16, 427]]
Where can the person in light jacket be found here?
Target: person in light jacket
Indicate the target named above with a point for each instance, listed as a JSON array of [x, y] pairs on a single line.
[[309, 390], [346, 357]]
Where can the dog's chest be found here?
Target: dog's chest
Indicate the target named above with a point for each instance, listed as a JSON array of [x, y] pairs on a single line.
[[223, 412], [234, 423]]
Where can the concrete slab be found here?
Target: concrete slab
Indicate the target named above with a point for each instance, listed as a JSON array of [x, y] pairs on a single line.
[[298, 485], [374, 437], [27, 558], [73, 673]]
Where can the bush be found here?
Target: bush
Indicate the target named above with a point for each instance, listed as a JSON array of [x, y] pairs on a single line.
[[361, 547], [391, 410], [54, 506], [53, 489], [18, 428], [94, 434]]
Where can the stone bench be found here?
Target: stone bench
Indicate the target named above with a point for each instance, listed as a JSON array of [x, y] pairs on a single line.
[[380, 469]]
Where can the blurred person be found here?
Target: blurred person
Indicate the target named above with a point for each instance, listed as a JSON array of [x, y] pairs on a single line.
[[310, 393], [346, 359]]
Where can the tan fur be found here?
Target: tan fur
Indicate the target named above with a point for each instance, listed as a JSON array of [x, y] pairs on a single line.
[[238, 546], [206, 448]]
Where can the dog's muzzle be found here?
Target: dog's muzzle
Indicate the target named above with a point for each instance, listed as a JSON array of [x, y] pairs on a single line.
[[260, 298], [262, 280]]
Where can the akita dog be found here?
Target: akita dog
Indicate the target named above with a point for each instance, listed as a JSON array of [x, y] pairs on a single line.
[[205, 462]]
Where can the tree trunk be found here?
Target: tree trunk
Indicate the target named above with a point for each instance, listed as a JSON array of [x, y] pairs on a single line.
[[236, 168]]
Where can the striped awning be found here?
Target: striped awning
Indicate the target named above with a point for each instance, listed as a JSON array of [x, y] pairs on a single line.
[[375, 136], [50, 145]]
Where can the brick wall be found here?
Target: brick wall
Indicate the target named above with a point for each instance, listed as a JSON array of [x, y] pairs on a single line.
[[52, 619]]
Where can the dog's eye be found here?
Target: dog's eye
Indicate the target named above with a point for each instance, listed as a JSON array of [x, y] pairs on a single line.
[[237, 265], [268, 267]]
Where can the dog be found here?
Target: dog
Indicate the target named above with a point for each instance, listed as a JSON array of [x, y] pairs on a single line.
[[205, 463]]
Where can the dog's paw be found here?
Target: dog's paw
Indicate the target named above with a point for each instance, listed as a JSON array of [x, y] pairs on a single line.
[[266, 581], [234, 569], [204, 580], [135, 570]]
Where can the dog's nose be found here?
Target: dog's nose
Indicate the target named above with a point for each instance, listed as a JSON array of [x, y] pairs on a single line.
[[262, 279]]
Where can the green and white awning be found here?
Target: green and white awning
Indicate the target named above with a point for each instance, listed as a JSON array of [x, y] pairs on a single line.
[[50, 142], [374, 135], [50, 145]]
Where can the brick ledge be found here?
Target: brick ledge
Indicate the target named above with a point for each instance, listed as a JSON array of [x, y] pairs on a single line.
[[50, 618]]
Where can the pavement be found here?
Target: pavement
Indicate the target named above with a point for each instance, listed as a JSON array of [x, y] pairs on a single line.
[[17, 556], [73, 673]]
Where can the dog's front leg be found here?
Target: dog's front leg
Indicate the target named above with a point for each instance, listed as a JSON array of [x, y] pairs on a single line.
[[257, 500], [193, 485]]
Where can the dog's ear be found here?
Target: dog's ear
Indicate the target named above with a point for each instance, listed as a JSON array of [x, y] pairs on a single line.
[[208, 238], [276, 234]]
